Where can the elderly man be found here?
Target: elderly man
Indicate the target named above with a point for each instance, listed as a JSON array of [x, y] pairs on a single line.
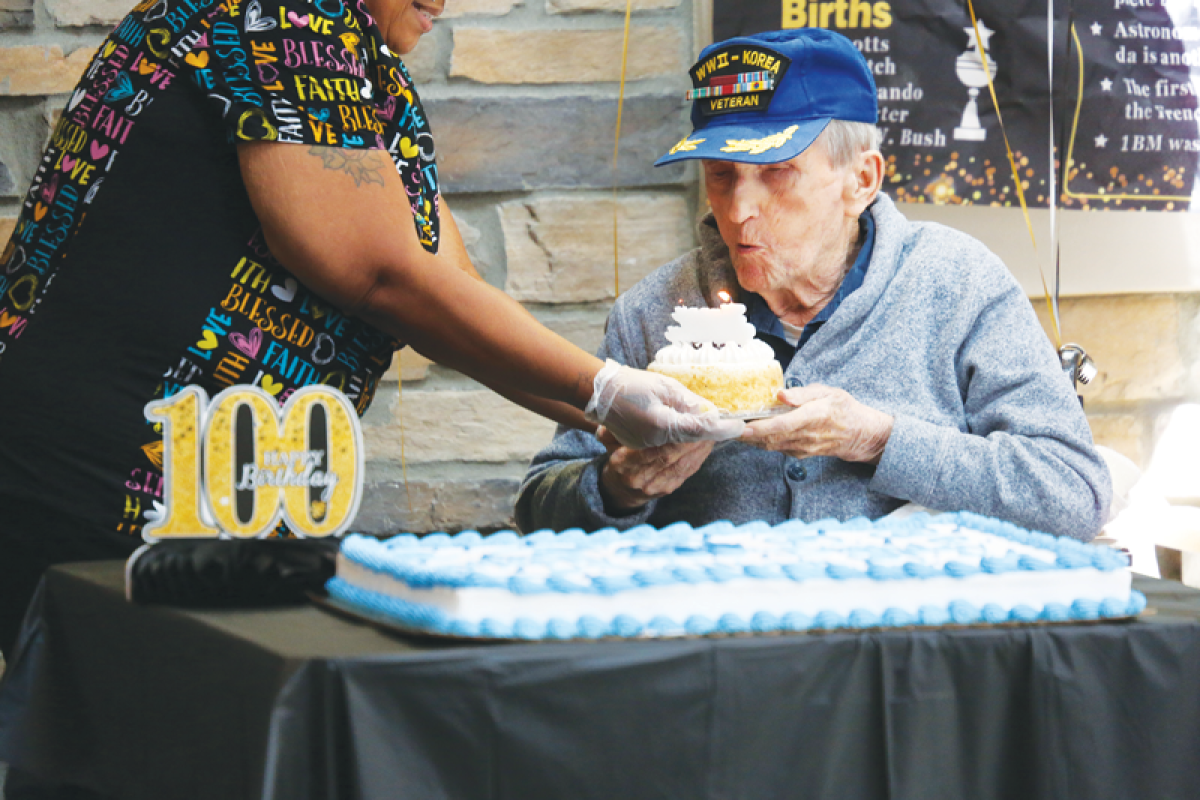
[[917, 370]]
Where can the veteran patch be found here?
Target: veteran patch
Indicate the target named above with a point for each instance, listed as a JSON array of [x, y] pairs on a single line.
[[736, 79]]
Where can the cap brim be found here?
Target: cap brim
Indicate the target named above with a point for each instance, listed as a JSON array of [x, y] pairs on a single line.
[[757, 142]]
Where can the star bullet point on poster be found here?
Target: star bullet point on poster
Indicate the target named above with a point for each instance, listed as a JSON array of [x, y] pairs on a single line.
[[1101, 140], [1106, 85], [1097, 29], [985, 35]]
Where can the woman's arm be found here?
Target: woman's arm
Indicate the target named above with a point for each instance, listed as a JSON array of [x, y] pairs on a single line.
[[339, 220]]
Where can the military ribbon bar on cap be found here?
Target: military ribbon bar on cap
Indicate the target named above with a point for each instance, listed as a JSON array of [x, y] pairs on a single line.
[[734, 84], [737, 78]]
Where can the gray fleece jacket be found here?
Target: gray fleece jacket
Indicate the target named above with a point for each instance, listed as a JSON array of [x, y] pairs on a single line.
[[940, 336]]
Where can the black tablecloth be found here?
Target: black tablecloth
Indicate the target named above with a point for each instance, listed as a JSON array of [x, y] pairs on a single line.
[[145, 702]]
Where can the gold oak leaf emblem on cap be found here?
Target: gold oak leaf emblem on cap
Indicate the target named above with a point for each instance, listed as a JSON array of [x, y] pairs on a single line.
[[686, 145], [759, 146]]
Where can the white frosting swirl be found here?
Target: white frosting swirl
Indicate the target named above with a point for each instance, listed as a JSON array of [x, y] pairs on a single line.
[[713, 336]]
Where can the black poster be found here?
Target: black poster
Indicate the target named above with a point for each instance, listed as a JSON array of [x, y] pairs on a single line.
[[1121, 88]]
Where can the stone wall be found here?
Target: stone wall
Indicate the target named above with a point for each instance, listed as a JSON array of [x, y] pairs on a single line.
[[522, 99], [1147, 350]]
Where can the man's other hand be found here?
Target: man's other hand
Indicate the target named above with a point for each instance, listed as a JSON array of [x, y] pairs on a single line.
[[632, 478], [825, 422]]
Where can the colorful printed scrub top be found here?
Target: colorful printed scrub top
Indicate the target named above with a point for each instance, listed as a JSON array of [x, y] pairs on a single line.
[[138, 267]]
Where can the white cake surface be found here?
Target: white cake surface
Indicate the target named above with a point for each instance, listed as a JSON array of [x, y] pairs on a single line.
[[727, 579]]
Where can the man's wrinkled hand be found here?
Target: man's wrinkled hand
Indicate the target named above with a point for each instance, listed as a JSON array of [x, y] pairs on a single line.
[[825, 422], [632, 478]]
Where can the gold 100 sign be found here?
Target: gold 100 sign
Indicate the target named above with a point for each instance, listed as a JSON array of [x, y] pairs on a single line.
[[237, 465]]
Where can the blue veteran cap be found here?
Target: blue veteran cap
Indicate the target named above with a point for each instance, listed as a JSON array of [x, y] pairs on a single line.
[[765, 98]]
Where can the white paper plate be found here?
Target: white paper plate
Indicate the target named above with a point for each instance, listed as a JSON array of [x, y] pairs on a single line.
[[761, 413]]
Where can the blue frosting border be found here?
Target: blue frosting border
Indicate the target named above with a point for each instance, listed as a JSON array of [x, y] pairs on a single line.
[[413, 615]]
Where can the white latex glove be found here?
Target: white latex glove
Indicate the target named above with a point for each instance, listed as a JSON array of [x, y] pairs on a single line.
[[643, 409]]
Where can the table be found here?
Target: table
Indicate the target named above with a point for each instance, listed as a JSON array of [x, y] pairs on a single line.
[[154, 702]]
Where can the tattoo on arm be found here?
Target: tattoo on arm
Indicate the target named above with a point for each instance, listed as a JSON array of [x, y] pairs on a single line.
[[361, 165]]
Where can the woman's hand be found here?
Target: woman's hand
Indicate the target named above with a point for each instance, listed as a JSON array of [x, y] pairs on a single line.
[[826, 422], [643, 409]]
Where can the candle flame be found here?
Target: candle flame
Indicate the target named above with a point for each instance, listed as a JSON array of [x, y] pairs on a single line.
[[725, 297]]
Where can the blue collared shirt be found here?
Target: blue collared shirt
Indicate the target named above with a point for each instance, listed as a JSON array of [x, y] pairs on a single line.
[[770, 329]]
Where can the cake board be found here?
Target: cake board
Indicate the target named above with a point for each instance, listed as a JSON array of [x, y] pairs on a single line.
[[338, 608]]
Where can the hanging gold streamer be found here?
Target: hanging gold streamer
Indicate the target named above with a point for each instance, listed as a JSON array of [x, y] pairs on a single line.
[[1012, 163], [616, 151]]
